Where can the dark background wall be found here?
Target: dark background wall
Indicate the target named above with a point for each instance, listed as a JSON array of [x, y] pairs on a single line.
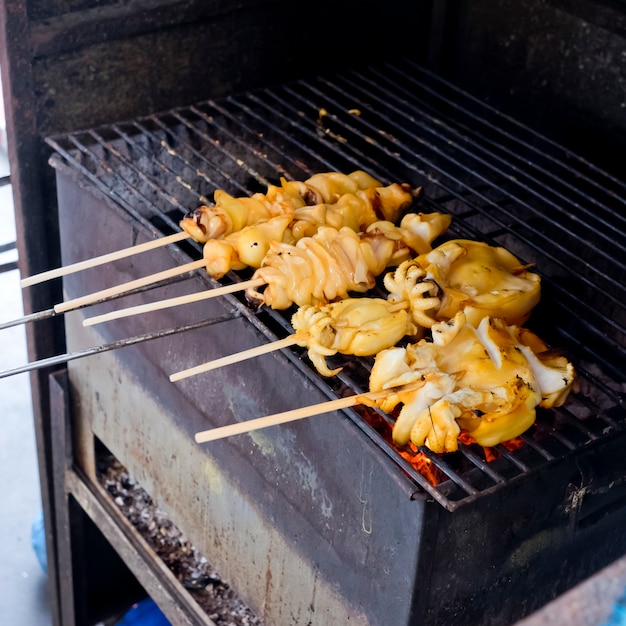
[[558, 65]]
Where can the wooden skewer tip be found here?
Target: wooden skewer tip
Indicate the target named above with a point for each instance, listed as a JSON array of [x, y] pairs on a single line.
[[236, 358], [171, 302], [240, 428], [100, 260]]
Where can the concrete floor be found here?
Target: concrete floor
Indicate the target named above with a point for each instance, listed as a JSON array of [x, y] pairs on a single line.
[[23, 593]]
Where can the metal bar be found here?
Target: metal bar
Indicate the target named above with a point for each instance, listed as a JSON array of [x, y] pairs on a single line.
[[7, 247], [5, 180], [221, 150], [253, 172], [106, 189], [512, 150], [8, 267], [511, 458], [122, 343], [131, 165], [186, 163], [482, 465], [403, 131], [565, 157], [439, 462], [170, 174], [47, 313]]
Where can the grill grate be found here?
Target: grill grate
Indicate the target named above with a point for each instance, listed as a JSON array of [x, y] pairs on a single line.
[[501, 182]]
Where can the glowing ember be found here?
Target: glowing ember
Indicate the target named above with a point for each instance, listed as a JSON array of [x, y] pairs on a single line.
[[490, 453], [422, 464]]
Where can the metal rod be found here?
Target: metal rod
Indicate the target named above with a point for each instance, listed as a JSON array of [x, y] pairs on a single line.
[[41, 315], [72, 356], [8, 267], [32, 317]]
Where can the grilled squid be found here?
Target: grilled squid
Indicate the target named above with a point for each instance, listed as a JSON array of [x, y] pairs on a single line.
[[356, 326], [468, 276], [486, 379], [409, 283], [481, 280], [330, 264], [247, 246], [331, 198], [322, 268]]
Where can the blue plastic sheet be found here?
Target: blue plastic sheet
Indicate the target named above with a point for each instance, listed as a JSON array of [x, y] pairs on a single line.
[[618, 616], [38, 541], [145, 613]]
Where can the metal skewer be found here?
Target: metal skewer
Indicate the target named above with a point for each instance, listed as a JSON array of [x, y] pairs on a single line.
[[71, 356], [47, 313], [32, 317]]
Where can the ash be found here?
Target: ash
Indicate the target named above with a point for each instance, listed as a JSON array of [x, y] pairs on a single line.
[[194, 572]]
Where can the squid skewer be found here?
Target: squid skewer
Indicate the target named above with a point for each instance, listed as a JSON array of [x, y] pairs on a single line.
[[230, 214], [357, 326], [321, 268], [292, 415], [499, 288], [485, 380], [356, 199]]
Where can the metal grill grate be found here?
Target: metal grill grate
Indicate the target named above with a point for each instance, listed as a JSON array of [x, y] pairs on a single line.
[[501, 182]]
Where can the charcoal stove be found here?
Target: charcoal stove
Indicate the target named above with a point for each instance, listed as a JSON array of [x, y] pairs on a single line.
[[323, 521], [298, 517]]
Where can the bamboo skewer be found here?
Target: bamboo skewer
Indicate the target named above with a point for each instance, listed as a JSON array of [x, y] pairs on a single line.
[[68, 305], [170, 302], [188, 299], [237, 357], [100, 260], [244, 355], [294, 414]]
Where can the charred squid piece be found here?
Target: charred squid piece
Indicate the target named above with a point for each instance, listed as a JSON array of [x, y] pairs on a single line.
[[485, 379], [480, 280], [332, 263], [357, 210], [355, 326], [230, 214], [409, 283], [244, 248]]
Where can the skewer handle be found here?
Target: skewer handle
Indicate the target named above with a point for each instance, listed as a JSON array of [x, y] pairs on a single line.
[[295, 414], [236, 358], [68, 305], [278, 418], [100, 260], [170, 302]]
